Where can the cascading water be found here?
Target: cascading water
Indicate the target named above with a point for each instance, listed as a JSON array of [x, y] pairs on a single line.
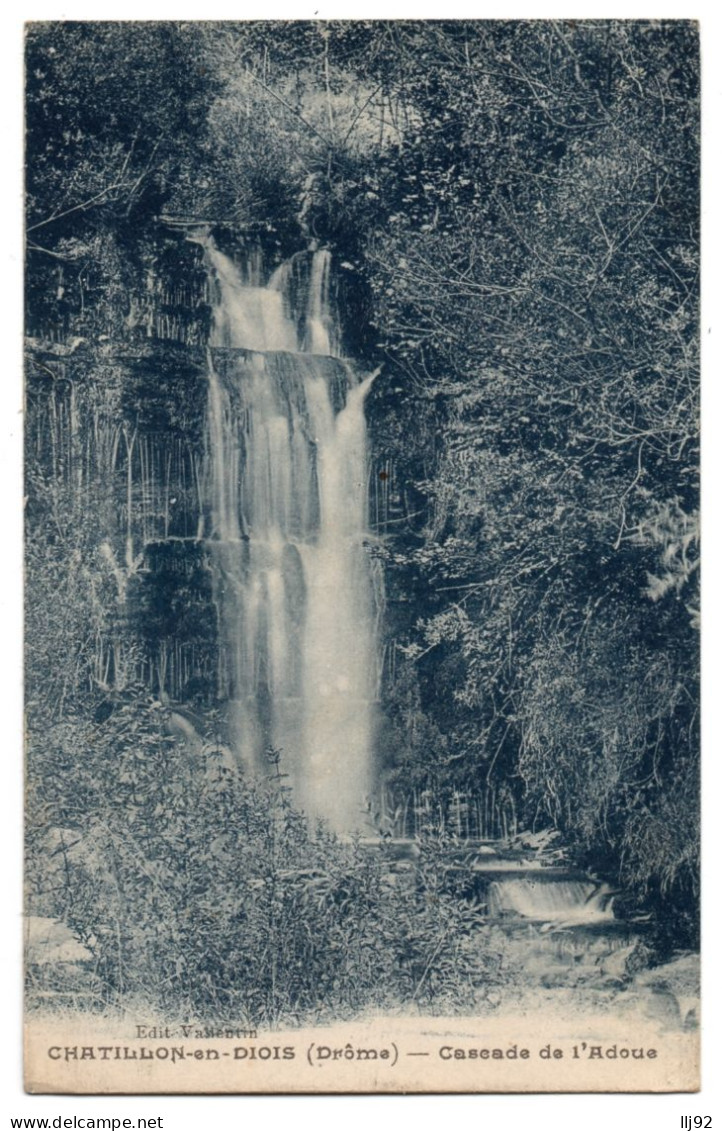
[[287, 464], [568, 901]]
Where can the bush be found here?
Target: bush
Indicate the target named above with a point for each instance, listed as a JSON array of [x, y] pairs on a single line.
[[202, 893]]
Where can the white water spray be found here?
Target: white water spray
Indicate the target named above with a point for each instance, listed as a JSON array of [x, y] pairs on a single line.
[[287, 458]]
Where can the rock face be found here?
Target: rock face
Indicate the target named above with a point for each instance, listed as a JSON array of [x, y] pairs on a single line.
[[49, 941], [118, 431], [116, 395]]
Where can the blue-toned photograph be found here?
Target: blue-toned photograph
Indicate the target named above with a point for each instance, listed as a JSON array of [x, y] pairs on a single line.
[[362, 551]]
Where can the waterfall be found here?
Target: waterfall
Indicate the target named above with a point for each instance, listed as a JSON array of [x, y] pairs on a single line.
[[287, 470], [319, 325], [566, 901]]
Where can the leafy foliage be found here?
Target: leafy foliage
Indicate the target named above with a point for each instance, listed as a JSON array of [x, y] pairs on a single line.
[[534, 276], [202, 894]]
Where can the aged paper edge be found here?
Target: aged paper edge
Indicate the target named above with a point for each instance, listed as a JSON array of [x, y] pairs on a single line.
[[419, 1055]]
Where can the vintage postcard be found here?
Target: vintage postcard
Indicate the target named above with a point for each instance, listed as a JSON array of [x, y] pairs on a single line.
[[361, 556]]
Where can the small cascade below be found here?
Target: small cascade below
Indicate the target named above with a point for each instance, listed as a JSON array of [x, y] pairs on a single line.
[[293, 585], [571, 902], [559, 921]]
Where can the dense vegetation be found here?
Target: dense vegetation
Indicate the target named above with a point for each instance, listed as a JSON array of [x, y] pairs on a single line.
[[514, 212], [208, 896]]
